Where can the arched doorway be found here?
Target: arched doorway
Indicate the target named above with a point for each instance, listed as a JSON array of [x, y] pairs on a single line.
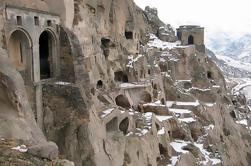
[[47, 55], [19, 49], [190, 40]]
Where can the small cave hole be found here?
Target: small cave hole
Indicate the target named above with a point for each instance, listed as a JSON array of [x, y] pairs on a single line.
[[209, 75], [105, 45], [233, 115], [123, 126], [49, 23], [155, 87], [129, 35], [122, 101], [99, 84], [120, 77], [162, 101], [162, 150], [169, 133]]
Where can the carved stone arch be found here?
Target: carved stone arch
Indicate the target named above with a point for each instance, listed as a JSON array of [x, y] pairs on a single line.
[[48, 54], [19, 46], [190, 40]]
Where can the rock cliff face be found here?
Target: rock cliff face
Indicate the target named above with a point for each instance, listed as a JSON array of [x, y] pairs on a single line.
[[110, 84]]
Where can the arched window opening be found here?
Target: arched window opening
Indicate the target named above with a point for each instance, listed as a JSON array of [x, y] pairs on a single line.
[[123, 126], [46, 52], [19, 49], [190, 40]]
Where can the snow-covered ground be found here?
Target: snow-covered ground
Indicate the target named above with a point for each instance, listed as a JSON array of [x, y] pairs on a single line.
[[243, 86], [156, 42]]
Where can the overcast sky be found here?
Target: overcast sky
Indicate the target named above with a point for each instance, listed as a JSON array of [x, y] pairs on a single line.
[[230, 16]]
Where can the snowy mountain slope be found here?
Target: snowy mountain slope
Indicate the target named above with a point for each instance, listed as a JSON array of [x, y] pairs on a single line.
[[243, 86], [231, 67], [238, 49]]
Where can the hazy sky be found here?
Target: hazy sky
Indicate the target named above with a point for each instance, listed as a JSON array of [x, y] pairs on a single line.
[[231, 16]]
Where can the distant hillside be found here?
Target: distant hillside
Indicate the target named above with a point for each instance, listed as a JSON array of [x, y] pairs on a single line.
[[238, 49], [231, 67]]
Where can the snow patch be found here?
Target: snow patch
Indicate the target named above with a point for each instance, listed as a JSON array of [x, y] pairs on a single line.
[[187, 120], [180, 111], [107, 112], [62, 83], [161, 131], [178, 146], [243, 122], [163, 118], [156, 42], [21, 148]]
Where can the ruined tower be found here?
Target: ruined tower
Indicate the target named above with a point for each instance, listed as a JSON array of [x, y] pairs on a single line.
[[192, 35]]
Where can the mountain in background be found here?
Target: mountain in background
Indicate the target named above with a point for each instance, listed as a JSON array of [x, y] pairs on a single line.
[[230, 67], [237, 49], [233, 56]]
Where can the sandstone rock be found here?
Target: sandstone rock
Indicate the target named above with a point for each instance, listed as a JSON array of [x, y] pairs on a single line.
[[63, 163], [47, 150]]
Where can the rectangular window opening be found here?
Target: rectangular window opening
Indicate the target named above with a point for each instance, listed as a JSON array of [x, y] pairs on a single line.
[[49, 22], [36, 20], [19, 20]]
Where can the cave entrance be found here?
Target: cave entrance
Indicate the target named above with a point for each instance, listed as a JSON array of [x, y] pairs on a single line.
[[20, 52], [99, 84], [47, 51], [209, 75], [190, 40], [120, 76], [105, 45], [122, 101], [129, 35], [123, 126]]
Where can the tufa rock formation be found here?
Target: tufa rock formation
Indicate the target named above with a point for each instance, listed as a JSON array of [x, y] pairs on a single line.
[[104, 83]]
